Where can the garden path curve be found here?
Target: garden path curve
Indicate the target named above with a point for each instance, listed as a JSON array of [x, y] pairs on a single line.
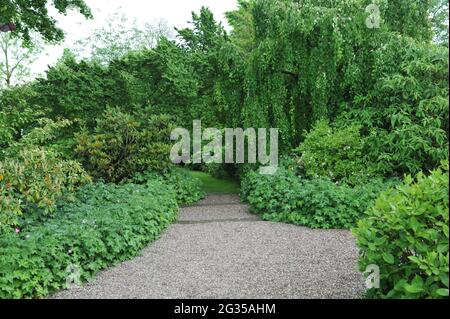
[[218, 250]]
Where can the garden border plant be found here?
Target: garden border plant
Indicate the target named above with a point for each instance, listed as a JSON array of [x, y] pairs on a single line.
[[406, 235], [106, 224], [286, 197]]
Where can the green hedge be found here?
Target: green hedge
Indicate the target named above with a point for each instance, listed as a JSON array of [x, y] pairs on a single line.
[[406, 235], [106, 225], [285, 197]]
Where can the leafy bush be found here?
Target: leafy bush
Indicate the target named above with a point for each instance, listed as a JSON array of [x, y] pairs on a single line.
[[35, 179], [124, 144], [285, 197], [16, 115], [333, 154], [106, 225], [187, 189], [44, 132], [406, 235], [405, 117]]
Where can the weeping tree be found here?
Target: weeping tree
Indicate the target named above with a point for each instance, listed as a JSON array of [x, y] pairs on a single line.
[[311, 59], [304, 64]]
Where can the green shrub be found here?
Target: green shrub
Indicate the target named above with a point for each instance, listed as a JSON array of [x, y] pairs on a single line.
[[405, 117], [406, 235], [16, 115], [41, 135], [106, 225], [284, 197], [333, 154], [125, 144], [188, 190], [35, 179]]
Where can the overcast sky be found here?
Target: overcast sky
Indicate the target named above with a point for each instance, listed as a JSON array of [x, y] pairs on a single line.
[[176, 12]]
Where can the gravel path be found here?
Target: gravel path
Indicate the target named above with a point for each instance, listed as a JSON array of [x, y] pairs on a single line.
[[218, 250]]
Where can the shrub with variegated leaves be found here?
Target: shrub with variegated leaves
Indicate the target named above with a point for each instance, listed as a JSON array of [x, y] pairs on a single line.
[[35, 179]]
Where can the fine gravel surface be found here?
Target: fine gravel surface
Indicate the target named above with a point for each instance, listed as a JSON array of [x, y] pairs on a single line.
[[219, 250]]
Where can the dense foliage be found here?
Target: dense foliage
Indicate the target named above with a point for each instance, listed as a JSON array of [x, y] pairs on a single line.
[[406, 235], [81, 90], [106, 224], [123, 144], [358, 107], [187, 189], [334, 154], [16, 115], [36, 179], [32, 175], [406, 116], [318, 203]]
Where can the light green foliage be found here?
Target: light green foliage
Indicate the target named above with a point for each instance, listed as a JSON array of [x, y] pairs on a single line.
[[409, 17], [285, 197], [334, 154], [106, 225], [405, 118], [302, 63], [35, 179], [406, 235], [124, 144], [243, 33], [312, 57], [187, 188], [213, 185], [46, 130], [16, 115]]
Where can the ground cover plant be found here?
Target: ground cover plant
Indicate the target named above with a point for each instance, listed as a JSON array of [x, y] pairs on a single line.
[[187, 188], [316, 203]]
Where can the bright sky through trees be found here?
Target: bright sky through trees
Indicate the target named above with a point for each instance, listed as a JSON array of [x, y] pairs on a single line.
[[175, 12]]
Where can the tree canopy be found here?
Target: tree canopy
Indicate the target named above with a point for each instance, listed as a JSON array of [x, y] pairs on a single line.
[[33, 16]]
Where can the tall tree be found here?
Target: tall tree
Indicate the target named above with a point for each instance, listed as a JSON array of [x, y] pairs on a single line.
[[204, 44], [206, 34], [33, 16], [439, 21], [16, 59], [241, 20]]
